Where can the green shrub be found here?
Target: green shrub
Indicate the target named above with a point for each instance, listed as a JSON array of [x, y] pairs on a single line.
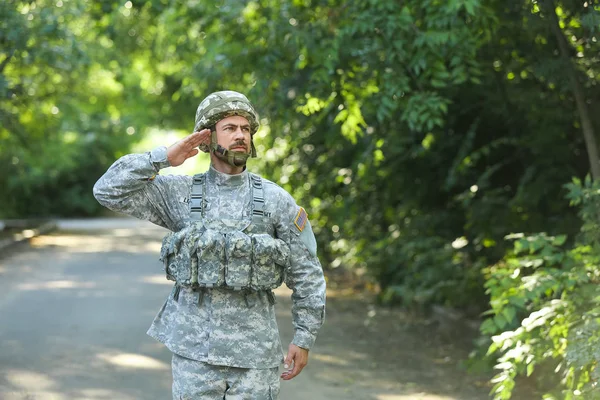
[[545, 307]]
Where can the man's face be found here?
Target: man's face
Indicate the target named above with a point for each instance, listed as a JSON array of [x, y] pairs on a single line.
[[233, 133]]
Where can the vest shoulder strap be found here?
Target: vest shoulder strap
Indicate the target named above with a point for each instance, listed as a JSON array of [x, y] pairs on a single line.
[[197, 197], [258, 195], [197, 200]]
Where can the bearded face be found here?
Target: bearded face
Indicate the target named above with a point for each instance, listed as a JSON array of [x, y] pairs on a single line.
[[234, 135]]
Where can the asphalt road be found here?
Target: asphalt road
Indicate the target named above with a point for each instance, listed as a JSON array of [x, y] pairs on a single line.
[[75, 306], [74, 309]]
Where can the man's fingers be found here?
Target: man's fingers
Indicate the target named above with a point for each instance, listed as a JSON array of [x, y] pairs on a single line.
[[288, 361], [295, 371], [203, 134], [191, 153], [287, 364], [192, 141], [196, 138], [287, 375]]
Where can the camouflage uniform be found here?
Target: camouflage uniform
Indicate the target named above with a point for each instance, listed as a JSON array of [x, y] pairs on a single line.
[[196, 380], [219, 329]]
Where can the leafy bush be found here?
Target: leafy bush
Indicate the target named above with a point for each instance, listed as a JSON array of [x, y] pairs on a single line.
[[417, 270], [545, 307]]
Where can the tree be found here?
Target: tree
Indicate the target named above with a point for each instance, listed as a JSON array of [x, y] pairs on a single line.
[[576, 17]]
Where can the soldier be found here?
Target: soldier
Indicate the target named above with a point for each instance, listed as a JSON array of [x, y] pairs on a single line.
[[234, 238]]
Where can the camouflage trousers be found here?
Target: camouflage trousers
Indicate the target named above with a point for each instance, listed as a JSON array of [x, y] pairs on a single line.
[[196, 380]]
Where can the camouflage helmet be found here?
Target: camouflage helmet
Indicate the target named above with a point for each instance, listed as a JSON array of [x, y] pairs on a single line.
[[223, 104], [226, 103]]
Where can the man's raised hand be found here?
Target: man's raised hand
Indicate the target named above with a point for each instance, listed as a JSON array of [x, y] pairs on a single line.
[[187, 147]]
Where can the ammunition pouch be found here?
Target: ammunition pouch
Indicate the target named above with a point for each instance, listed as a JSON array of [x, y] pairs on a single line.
[[269, 258], [234, 254], [177, 250], [208, 258]]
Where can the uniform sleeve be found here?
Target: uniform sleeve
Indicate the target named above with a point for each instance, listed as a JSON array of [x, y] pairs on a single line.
[[132, 186], [304, 274]]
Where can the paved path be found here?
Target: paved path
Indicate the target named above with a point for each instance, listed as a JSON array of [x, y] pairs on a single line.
[[74, 309]]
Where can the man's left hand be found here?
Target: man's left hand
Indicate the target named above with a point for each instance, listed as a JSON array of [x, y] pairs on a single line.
[[297, 357]]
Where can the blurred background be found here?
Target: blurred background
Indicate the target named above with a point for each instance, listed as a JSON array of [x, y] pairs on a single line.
[[445, 150]]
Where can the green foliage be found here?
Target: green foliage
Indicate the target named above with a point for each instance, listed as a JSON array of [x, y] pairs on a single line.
[[545, 311], [60, 109], [455, 280], [418, 135]]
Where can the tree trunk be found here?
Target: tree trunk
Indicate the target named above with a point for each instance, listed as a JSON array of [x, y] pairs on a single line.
[[586, 122]]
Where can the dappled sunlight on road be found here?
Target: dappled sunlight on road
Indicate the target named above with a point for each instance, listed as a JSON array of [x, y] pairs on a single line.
[[157, 280], [101, 394], [22, 379], [86, 289], [330, 359], [93, 296], [77, 375], [349, 357], [24, 268], [373, 353], [136, 243], [74, 309], [51, 285], [129, 360], [37, 395], [83, 394], [127, 233]]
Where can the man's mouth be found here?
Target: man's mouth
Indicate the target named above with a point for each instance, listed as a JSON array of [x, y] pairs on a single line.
[[238, 148]]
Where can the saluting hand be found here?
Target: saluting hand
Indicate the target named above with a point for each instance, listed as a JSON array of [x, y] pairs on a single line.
[[187, 147]]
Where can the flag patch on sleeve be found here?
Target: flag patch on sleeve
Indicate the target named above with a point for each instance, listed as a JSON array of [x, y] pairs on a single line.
[[301, 218]]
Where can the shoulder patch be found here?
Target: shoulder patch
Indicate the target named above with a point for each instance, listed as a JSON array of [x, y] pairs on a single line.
[[300, 220]]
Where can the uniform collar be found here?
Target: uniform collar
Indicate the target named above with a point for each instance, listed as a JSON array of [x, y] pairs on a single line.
[[222, 179]]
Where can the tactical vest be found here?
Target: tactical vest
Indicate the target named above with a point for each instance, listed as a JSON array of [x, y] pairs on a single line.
[[235, 254]]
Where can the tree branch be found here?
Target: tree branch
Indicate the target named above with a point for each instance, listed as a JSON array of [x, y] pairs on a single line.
[[586, 121], [6, 60]]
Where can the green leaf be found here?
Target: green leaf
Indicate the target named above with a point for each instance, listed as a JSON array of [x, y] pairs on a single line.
[[559, 240], [500, 321], [509, 313], [530, 368]]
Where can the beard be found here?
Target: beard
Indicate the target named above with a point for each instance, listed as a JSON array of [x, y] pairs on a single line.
[[239, 143]]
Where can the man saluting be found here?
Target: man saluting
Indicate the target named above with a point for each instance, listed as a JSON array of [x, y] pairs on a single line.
[[235, 237]]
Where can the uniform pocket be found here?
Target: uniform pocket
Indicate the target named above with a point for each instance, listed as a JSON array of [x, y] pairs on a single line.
[[167, 253], [210, 264], [238, 253], [270, 255], [176, 255]]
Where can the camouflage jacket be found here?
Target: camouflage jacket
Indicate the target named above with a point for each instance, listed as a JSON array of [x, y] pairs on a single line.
[[224, 327]]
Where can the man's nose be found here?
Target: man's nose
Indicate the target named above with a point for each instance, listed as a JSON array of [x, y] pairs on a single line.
[[238, 134]]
